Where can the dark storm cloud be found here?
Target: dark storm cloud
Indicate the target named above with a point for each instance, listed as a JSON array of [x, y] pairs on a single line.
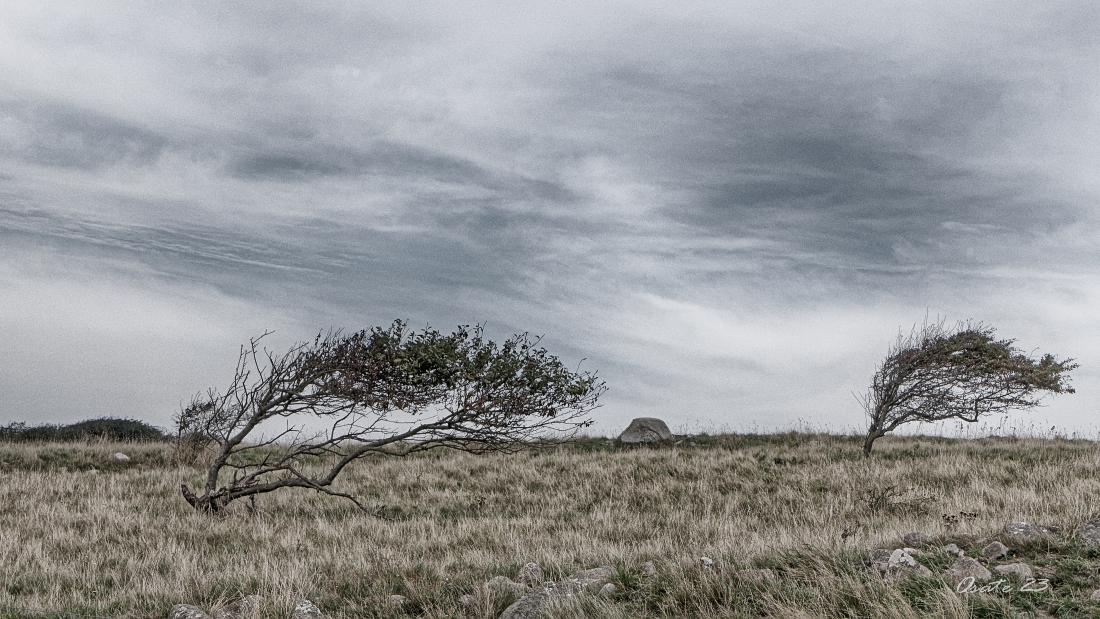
[[392, 160], [841, 155], [57, 134]]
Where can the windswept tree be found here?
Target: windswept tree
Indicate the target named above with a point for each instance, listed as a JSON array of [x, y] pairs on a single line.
[[963, 373], [383, 391]]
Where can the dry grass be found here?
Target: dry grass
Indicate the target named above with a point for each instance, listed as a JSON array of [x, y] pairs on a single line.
[[123, 543]]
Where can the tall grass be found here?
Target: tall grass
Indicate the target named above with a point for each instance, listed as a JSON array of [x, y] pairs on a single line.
[[122, 542]]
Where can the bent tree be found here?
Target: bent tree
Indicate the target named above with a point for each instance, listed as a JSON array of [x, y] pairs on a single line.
[[963, 373], [298, 419]]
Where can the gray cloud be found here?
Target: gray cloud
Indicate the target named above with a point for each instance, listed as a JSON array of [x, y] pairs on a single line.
[[56, 134], [671, 193]]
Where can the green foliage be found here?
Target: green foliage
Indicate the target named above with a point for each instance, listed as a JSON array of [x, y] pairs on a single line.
[[106, 428], [966, 373]]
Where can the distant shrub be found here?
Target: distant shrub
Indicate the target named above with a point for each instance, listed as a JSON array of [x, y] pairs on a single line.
[[104, 427]]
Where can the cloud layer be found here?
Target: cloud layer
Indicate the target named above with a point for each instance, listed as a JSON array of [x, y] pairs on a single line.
[[728, 211]]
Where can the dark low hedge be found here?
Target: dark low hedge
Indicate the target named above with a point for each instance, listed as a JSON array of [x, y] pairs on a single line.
[[105, 427]]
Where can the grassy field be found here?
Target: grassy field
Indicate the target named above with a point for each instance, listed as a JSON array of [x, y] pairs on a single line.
[[121, 542]]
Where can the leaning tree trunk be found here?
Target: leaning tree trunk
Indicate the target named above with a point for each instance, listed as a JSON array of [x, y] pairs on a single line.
[[206, 503]]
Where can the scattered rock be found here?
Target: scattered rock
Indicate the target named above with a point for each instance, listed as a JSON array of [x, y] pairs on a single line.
[[646, 430], [607, 590], [896, 564], [535, 603], [955, 550], [901, 558], [994, 551], [757, 575], [305, 610], [706, 562], [902, 563], [1023, 570], [120, 457], [502, 585], [1089, 532], [964, 568], [530, 575], [397, 600], [1095, 595], [467, 600], [186, 611], [1025, 532], [917, 539], [649, 570]]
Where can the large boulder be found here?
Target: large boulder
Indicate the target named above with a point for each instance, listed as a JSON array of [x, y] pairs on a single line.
[[535, 603], [646, 430]]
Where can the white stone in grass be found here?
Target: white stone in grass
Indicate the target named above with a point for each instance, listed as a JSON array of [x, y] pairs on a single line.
[[706, 562], [186, 611], [530, 575], [1023, 570], [306, 610], [901, 558], [120, 457], [1095, 595], [607, 590], [902, 564], [646, 430]]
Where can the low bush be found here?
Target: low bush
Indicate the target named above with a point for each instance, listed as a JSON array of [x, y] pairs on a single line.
[[106, 428]]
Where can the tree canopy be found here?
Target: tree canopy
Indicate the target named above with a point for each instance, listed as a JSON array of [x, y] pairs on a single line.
[[963, 373], [385, 390]]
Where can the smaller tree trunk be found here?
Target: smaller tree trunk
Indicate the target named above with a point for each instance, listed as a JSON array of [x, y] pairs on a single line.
[[871, 436]]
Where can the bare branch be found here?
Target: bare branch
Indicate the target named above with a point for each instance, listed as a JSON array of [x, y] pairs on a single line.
[[388, 391]]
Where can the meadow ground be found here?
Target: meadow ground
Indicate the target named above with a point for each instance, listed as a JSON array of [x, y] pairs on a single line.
[[123, 543]]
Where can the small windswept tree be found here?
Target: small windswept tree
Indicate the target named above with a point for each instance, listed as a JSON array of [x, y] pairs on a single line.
[[963, 373], [383, 391]]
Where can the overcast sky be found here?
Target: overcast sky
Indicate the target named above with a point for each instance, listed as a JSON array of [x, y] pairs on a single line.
[[728, 209]]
